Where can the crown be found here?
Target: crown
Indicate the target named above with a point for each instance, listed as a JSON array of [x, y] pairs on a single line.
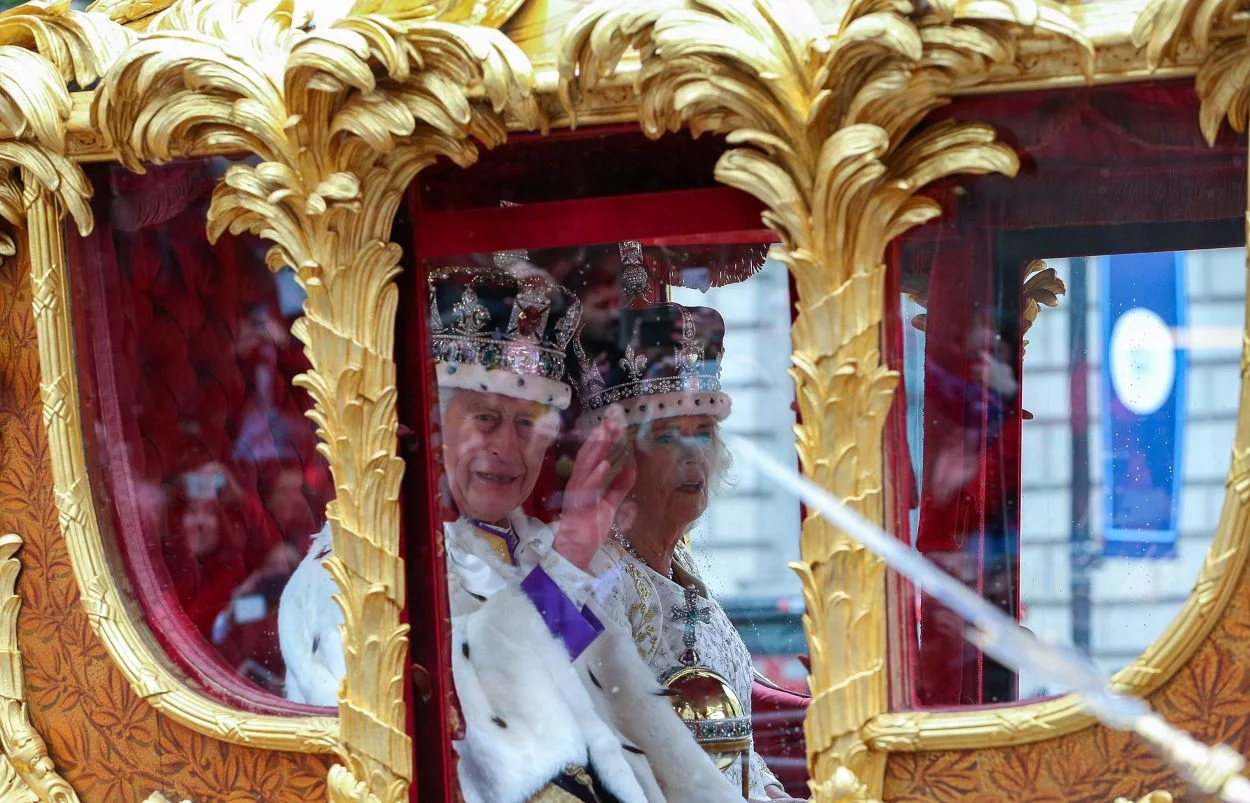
[[503, 330], [668, 363]]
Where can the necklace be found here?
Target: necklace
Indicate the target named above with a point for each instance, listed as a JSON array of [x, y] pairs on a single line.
[[619, 536]]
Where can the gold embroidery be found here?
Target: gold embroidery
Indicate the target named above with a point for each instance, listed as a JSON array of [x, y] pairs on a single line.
[[554, 794], [498, 543], [642, 613]]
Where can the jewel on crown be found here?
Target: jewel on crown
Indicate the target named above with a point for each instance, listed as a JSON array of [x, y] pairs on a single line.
[[469, 316], [530, 310], [690, 352], [634, 364]]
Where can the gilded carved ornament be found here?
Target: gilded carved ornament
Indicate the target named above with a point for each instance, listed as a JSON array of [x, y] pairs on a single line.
[[342, 116], [825, 134], [84, 45], [26, 771], [43, 47]]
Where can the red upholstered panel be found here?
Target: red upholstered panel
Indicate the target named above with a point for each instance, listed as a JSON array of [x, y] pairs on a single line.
[[204, 458], [777, 720]]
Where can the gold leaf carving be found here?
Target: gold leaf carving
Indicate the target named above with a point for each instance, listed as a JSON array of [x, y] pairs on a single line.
[[110, 609], [1042, 288], [26, 771], [342, 117], [824, 134], [44, 46], [1164, 27]]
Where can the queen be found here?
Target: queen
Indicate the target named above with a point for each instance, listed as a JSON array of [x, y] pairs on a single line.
[[664, 376]]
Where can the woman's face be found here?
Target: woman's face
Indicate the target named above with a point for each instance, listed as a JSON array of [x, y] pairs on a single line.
[[674, 459]]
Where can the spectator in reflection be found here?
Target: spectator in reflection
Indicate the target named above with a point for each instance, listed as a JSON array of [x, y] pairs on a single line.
[[555, 705], [217, 536], [971, 392], [666, 379]]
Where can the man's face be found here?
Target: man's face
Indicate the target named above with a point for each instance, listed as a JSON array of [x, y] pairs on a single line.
[[493, 448]]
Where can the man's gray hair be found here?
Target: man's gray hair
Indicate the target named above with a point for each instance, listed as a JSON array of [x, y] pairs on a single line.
[[447, 394]]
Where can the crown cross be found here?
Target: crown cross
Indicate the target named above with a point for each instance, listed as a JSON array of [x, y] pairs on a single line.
[[692, 616]]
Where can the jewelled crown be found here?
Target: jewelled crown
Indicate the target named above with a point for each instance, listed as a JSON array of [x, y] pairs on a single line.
[[666, 362], [503, 330]]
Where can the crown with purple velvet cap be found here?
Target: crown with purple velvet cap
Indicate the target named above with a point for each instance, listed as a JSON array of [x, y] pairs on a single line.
[[502, 330]]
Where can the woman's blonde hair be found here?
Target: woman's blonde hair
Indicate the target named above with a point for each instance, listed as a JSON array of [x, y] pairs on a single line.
[[721, 460]]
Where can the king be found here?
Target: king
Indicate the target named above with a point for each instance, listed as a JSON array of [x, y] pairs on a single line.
[[557, 706]]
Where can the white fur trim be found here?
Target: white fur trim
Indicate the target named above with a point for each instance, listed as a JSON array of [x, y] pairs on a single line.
[[308, 629], [526, 714], [528, 388], [627, 695], [638, 409]]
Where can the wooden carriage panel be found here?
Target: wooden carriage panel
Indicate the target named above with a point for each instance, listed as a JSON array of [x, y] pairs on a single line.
[[106, 742]]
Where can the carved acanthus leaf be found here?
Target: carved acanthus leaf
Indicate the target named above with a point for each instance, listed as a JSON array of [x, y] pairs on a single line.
[[342, 116], [1164, 27], [1042, 288], [44, 47], [823, 131]]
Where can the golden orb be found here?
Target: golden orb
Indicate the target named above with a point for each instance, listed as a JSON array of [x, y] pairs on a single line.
[[712, 711]]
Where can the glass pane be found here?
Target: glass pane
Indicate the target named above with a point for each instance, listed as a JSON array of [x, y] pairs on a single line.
[[1070, 346], [203, 465], [1142, 471], [593, 508]]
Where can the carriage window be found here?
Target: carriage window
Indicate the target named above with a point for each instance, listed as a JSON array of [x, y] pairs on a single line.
[[202, 462], [1126, 404], [583, 404], [1070, 349]]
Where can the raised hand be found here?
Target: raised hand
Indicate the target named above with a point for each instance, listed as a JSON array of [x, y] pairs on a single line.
[[599, 482]]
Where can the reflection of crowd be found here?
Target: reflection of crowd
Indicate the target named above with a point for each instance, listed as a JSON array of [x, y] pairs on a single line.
[[206, 455], [247, 543]]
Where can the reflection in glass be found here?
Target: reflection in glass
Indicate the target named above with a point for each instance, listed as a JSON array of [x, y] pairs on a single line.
[[1110, 406], [999, 439], [1162, 373], [580, 435], [203, 461]]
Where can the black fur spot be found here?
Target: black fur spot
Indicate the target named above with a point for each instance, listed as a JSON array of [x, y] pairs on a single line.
[[665, 692], [464, 648], [594, 680], [499, 722], [633, 749], [316, 643]]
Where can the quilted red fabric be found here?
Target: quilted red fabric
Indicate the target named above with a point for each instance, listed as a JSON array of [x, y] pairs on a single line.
[[202, 444]]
